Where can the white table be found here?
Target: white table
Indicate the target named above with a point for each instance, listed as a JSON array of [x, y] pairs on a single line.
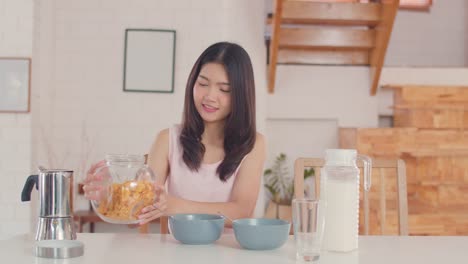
[[155, 249]]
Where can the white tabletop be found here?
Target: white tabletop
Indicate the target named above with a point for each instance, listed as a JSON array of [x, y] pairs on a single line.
[[155, 248]]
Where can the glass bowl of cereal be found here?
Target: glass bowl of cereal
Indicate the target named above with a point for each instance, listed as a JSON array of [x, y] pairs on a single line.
[[127, 186]]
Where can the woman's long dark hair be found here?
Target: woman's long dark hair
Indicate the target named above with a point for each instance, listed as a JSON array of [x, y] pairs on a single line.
[[240, 129]]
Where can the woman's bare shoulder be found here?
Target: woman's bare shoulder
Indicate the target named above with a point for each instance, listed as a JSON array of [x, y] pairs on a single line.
[[162, 140], [163, 134], [260, 140], [260, 135], [259, 146]]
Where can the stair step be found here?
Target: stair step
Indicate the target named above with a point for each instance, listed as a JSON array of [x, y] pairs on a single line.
[[304, 12], [326, 38], [323, 57]]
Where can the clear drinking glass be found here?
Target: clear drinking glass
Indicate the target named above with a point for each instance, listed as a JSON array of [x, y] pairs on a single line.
[[308, 224]]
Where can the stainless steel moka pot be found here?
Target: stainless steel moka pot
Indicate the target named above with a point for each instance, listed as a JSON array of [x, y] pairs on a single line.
[[55, 203]]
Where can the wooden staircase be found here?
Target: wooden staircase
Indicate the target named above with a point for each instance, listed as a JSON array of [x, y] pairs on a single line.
[[331, 33]]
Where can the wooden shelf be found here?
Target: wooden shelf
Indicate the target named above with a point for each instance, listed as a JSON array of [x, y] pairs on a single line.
[[344, 14], [326, 38]]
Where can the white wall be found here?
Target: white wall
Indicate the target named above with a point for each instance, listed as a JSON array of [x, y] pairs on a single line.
[[320, 92], [466, 32], [434, 38], [15, 129], [300, 137]]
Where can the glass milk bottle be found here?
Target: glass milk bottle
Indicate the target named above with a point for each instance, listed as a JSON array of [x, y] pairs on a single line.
[[339, 188]]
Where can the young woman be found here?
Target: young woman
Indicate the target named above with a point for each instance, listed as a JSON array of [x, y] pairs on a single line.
[[212, 162]]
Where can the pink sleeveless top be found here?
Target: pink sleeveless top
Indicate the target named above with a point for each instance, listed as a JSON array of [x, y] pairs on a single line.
[[203, 185]]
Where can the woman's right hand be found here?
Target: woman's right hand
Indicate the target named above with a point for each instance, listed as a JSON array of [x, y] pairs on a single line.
[[156, 210], [92, 188]]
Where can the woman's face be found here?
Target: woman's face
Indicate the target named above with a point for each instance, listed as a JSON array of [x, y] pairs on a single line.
[[212, 93]]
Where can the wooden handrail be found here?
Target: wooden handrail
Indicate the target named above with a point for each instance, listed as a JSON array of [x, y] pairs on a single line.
[[384, 30], [274, 45]]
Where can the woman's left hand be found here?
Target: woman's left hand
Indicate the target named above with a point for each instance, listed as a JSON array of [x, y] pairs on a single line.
[[157, 209]]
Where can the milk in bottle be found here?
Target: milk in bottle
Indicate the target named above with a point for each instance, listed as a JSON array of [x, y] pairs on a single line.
[[340, 191]]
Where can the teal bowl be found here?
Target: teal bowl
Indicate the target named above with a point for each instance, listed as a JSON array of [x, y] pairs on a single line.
[[196, 229], [261, 233]]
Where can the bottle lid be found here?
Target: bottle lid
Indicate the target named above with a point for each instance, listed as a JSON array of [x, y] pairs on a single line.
[[340, 157], [58, 249]]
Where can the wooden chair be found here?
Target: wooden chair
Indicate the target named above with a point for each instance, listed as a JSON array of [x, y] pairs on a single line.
[[163, 221], [163, 226], [382, 167], [82, 217]]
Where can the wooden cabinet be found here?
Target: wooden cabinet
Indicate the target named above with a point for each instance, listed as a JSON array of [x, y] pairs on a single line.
[[434, 145], [430, 107]]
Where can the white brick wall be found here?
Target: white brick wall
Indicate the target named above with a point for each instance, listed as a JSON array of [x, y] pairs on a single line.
[[15, 156], [16, 18], [16, 27]]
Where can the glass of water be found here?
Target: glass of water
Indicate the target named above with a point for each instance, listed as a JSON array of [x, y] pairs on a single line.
[[308, 224]]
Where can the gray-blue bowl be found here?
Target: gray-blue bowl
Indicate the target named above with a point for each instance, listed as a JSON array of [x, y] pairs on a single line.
[[261, 233], [196, 229]]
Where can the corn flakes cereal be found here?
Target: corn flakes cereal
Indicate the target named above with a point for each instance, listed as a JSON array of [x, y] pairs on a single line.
[[127, 200]]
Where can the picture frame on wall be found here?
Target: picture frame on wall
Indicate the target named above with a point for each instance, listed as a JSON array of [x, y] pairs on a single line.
[[15, 85], [149, 60]]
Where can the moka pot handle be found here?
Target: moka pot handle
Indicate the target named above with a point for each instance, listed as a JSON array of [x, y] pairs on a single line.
[[28, 186]]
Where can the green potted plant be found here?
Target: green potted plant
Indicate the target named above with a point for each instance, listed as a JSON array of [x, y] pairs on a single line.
[[280, 185]]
